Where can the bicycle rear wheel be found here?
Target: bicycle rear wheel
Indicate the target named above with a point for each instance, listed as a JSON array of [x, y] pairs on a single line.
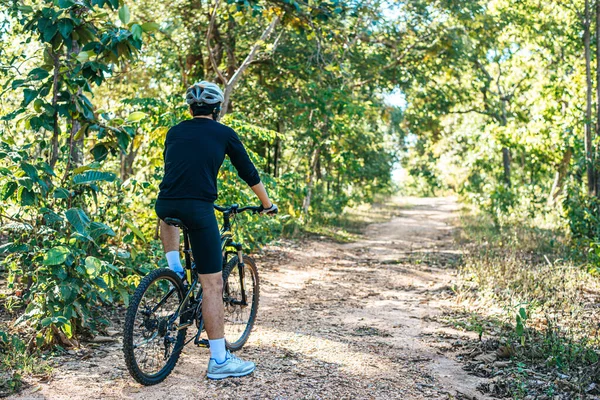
[[151, 343], [240, 317]]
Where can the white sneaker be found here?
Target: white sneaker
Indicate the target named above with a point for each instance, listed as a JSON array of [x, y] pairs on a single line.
[[232, 366]]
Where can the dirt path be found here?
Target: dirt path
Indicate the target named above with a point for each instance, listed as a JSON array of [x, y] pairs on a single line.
[[336, 321]]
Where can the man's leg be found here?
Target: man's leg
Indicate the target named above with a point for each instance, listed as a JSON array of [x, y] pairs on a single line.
[[169, 235], [206, 245], [222, 364], [212, 313]]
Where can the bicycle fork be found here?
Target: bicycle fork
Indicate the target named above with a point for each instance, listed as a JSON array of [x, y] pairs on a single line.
[[241, 266]]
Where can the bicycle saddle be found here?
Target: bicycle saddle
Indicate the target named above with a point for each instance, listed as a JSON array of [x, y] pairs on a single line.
[[175, 222]]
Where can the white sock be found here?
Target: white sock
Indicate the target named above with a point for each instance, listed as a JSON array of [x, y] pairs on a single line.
[[217, 350], [174, 261]]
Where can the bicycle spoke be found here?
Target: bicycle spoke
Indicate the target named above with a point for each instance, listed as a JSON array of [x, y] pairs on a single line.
[[153, 328], [237, 314]]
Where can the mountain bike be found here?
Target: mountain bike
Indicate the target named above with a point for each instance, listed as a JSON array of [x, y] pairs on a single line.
[[164, 306]]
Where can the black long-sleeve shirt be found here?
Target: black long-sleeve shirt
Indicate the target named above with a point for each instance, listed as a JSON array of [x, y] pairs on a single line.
[[194, 152]]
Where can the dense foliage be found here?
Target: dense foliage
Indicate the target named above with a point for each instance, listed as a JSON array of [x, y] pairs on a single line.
[[501, 115], [90, 89]]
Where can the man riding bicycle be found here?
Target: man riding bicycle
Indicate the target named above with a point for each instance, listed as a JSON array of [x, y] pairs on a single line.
[[194, 152]]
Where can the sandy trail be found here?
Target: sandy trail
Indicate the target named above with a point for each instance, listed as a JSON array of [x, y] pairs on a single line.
[[336, 321]]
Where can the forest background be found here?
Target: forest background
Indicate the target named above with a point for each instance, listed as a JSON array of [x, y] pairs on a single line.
[[496, 101]]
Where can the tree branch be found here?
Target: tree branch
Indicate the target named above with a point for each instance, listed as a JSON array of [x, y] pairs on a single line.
[[210, 51], [253, 51], [230, 85], [475, 110]]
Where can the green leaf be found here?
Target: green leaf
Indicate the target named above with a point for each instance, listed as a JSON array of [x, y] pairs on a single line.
[[30, 170], [520, 329], [66, 3], [68, 330], [46, 168], [84, 237], [523, 313], [124, 296], [93, 266], [100, 152], [82, 169], [17, 83], [49, 32], [37, 74], [65, 27], [46, 321], [51, 217], [80, 132], [9, 189], [83, 56], [28, 96], [98, 229], [135, 230], [25, 9], [123, 138], [27, 197], [136, 30], [124, 14], [100, 283], [78, 219], [65, 292], [61, 193], [136, 116], [13, 248], [93, 176], [56, 255], [150, 26]]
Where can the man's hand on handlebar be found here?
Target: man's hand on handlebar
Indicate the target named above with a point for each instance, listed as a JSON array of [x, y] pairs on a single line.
[[269, 211]]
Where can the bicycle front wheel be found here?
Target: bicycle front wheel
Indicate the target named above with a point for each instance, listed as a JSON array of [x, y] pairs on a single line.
[[151, 342], [240, 310]]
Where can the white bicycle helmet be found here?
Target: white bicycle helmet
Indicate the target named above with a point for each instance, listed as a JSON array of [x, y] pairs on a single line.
[[204, 93]]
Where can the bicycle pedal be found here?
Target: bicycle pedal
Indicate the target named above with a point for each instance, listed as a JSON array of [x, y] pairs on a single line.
[[203, 343]]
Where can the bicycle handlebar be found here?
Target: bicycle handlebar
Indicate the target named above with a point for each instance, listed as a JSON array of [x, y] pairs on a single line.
[[234, 209]]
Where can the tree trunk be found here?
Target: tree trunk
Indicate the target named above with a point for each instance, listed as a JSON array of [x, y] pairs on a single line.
[[127, 161], [588, 109], [76, 145], [506, 165], [230, 47], [597, 177], [561, 174], [56, 128], [232, 82], [276, 156], [268, 150], [505, 150], [311, 180]]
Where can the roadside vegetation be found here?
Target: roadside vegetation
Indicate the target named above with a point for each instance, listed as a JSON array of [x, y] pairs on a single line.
[[534, 304]]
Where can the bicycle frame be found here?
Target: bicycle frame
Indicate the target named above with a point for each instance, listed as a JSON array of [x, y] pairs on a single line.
[[227, 245]]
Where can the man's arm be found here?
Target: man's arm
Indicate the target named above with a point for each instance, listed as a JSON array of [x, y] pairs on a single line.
[[246, 170], [261, 193]]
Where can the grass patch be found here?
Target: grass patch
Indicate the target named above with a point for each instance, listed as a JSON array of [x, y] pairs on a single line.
[[521, 285], [16, 362]]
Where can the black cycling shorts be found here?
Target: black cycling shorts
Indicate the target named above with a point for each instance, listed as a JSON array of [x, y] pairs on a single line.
[[199, 217]]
